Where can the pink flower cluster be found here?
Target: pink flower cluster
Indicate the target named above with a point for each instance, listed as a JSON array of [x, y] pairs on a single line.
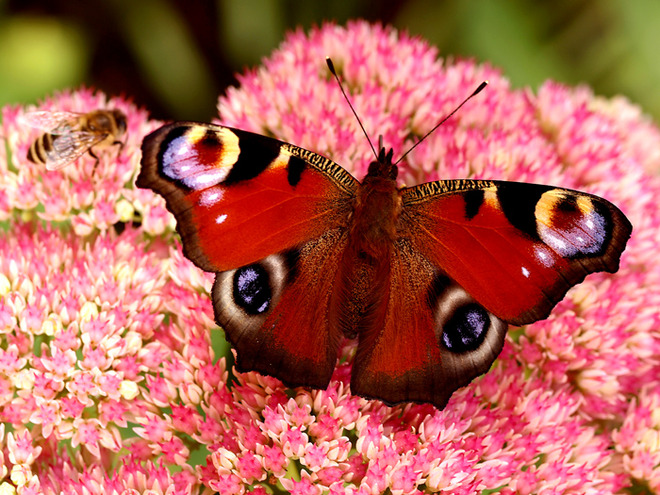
[[109, 377], [91, 355]]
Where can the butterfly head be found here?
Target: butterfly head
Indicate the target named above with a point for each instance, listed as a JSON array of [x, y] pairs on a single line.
[[383, 167]]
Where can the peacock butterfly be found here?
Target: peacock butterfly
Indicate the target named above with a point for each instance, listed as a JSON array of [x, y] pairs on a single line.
[[427, 277]]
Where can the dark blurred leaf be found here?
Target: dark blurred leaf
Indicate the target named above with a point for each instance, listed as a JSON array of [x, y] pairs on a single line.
[[169, 58], [505, 33], [632, 58], [250, 29]]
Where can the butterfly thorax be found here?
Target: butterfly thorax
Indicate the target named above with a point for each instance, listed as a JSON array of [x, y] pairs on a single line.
[[376, 211]]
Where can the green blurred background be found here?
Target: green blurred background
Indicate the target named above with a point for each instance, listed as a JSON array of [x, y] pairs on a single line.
[[174, 56]]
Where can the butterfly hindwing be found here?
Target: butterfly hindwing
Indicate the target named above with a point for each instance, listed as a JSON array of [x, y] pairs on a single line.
[[276, 312], [433, 339], [239, 197]]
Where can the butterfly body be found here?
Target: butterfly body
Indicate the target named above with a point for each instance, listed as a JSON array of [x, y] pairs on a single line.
[[373, 229], [426, 278], [376, 211]]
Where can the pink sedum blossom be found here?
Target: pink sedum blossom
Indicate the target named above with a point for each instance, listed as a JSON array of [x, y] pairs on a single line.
[[109, 382]]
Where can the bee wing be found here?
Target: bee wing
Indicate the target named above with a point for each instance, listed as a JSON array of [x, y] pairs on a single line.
[[69, 146], [52, 122]]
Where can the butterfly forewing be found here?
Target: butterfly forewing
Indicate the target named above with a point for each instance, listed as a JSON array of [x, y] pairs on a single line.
[[516, 248], [238, 196]]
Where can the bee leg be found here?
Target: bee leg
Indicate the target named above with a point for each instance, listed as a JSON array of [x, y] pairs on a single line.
[[96, 159]]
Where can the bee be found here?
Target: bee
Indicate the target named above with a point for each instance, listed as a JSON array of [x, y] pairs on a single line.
[[69, 135]]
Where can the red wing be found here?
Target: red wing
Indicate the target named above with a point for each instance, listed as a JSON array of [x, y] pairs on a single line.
[[239, 197], [431, 339], [276, 313], [516, 248]]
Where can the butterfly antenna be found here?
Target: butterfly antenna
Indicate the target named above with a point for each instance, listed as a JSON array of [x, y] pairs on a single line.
[[331, 66], [476, 91]]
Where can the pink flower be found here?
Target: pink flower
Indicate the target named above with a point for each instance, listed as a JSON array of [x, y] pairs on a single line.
[[303, 487], [404, 479], [108, 376], [229, 484], [71, 407], [638, 439], [21, 450]]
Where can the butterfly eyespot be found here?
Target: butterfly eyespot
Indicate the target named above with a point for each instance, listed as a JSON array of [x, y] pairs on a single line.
[[252, 289], [245, 296], [466, 329], [572, 226]]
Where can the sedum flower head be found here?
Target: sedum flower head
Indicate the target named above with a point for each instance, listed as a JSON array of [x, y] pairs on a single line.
[[109, 382]]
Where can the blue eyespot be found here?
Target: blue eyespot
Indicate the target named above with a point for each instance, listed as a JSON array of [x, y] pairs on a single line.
[[467, 328], [252, 290]]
